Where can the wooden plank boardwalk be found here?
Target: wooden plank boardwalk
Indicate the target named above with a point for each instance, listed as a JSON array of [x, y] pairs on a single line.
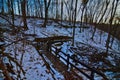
[[58, 64]]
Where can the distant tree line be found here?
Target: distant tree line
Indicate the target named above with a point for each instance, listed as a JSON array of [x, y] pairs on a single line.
[[87, 10]]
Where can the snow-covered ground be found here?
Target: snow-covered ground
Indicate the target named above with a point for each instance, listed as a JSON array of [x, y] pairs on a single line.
[[32, 62], [53, 29]]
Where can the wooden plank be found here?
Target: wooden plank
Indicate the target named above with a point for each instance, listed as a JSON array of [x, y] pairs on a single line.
[[54, 38], [84, 65]]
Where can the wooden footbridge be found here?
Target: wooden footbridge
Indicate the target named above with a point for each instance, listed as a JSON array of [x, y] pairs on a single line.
[[65, 59]]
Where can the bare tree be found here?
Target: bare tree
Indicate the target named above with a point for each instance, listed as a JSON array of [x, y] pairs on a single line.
[[70, 10], [56, 9], [19, 7], [41, 8], [74, 22], [23, 6], [2, 10], [12, 11], [84, 3], [46, 4], [114, 8], [61, 11], [100, 15], [10, 7]]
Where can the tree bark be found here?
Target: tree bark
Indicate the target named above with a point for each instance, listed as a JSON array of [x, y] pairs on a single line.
[[74, 22], [46, 11], [2, 6], [23, 5], [61, 11], [84, 2], [114, 7]]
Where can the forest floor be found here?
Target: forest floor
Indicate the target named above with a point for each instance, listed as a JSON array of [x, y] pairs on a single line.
[[115, 29], [86, 49]]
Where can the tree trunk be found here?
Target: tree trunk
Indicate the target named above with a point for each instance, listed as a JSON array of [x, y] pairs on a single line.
[[81, 25], [114, 7], [106, 7], [61, 11], [41, 10], [12, 11], [56, 9], [23, 5], [46, 11], [18, 4], [2, 6], [74, 23], [46, 17]]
